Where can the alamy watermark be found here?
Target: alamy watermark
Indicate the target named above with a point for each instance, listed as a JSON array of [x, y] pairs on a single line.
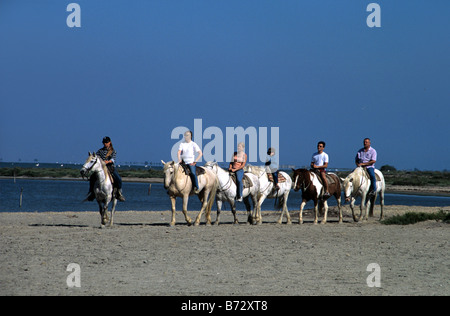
[[374, 278], [218, 145], [74, 278]]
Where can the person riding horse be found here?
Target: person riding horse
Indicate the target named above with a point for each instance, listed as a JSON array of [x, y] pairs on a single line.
[[319, 162], [237, 165], [108, 154], [186, 153], [272, 166], [366, 157]]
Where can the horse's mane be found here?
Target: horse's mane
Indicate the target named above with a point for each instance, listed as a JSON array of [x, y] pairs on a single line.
[[257, 171], [105, 169], [356, 175]]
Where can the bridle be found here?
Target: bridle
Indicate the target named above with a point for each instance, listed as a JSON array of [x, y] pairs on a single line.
[[88, 170], [302, 187]]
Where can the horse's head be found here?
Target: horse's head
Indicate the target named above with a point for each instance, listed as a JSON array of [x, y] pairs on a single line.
[[299, 179], [89, 165], [169, 169], [348, 185]]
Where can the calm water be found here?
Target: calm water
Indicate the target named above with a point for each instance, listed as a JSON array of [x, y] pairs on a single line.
[[60, 196]]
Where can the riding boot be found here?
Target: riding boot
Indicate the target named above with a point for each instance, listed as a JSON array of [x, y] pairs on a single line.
[[119, 195]]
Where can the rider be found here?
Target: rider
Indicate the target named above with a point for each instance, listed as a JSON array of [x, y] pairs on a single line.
[[108, 154], [366, 157], [319, 162], [272, 166], [237, 165], [186, 153]]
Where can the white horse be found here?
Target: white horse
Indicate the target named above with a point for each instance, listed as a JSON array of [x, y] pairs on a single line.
[[266, 190], [227, 191], [179, 184], [103, 188], [357, 184]]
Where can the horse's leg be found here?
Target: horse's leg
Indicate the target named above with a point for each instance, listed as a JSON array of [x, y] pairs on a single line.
[[249, 210], [257, 220], [302, 206], [280, 219], [233, 209], [173, 200], [102, 216], [382, 204], [248, 207], [285, 210], [185, 205], [325, 215], [208, 208], [372, 204], [316, 211], [203, 196], [352, 206], [219, 209], [113, 210], [338, 199], [363, 206]]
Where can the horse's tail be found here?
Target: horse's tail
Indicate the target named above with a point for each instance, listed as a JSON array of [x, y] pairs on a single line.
[[278, 206]]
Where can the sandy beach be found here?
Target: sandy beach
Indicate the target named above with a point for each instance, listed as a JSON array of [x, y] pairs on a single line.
[[142, 255]]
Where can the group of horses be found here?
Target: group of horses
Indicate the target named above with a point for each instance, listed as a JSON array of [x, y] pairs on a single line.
[[218, 184]]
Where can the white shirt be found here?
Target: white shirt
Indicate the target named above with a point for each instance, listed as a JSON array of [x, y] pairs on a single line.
[[319, 159], [188, 151]]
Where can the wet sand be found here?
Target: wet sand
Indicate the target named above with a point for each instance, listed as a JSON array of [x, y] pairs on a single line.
[[142, 255]]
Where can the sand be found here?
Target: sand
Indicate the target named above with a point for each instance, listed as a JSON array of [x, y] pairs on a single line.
[[142, 255]]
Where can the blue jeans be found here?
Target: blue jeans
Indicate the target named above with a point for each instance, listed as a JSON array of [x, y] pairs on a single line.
[[373, 180], [193, 175], [275, 178], [239, 183]]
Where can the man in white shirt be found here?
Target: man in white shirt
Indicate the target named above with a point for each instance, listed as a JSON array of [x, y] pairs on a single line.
[[319, 161], [186, 153]]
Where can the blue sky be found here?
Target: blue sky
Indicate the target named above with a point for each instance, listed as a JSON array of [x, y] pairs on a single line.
[[136, 70]]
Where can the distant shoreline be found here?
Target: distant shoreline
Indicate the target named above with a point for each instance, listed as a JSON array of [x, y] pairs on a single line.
[[393, 189], [124, 179]]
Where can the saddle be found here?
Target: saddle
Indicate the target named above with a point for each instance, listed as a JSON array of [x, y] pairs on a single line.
[[198, 170], [281, 178], [109, 171], [330, 179], [246, 180]]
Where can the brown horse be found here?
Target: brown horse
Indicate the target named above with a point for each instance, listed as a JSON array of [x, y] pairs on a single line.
[[312, 189]]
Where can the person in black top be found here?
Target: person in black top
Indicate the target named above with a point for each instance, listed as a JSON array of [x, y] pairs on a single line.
[[108, 154]]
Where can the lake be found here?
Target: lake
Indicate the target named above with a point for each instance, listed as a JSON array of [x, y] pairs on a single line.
[[62, 196]]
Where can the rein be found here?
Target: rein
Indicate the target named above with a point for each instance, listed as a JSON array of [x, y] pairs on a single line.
[[303, 183], [97, 171]]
